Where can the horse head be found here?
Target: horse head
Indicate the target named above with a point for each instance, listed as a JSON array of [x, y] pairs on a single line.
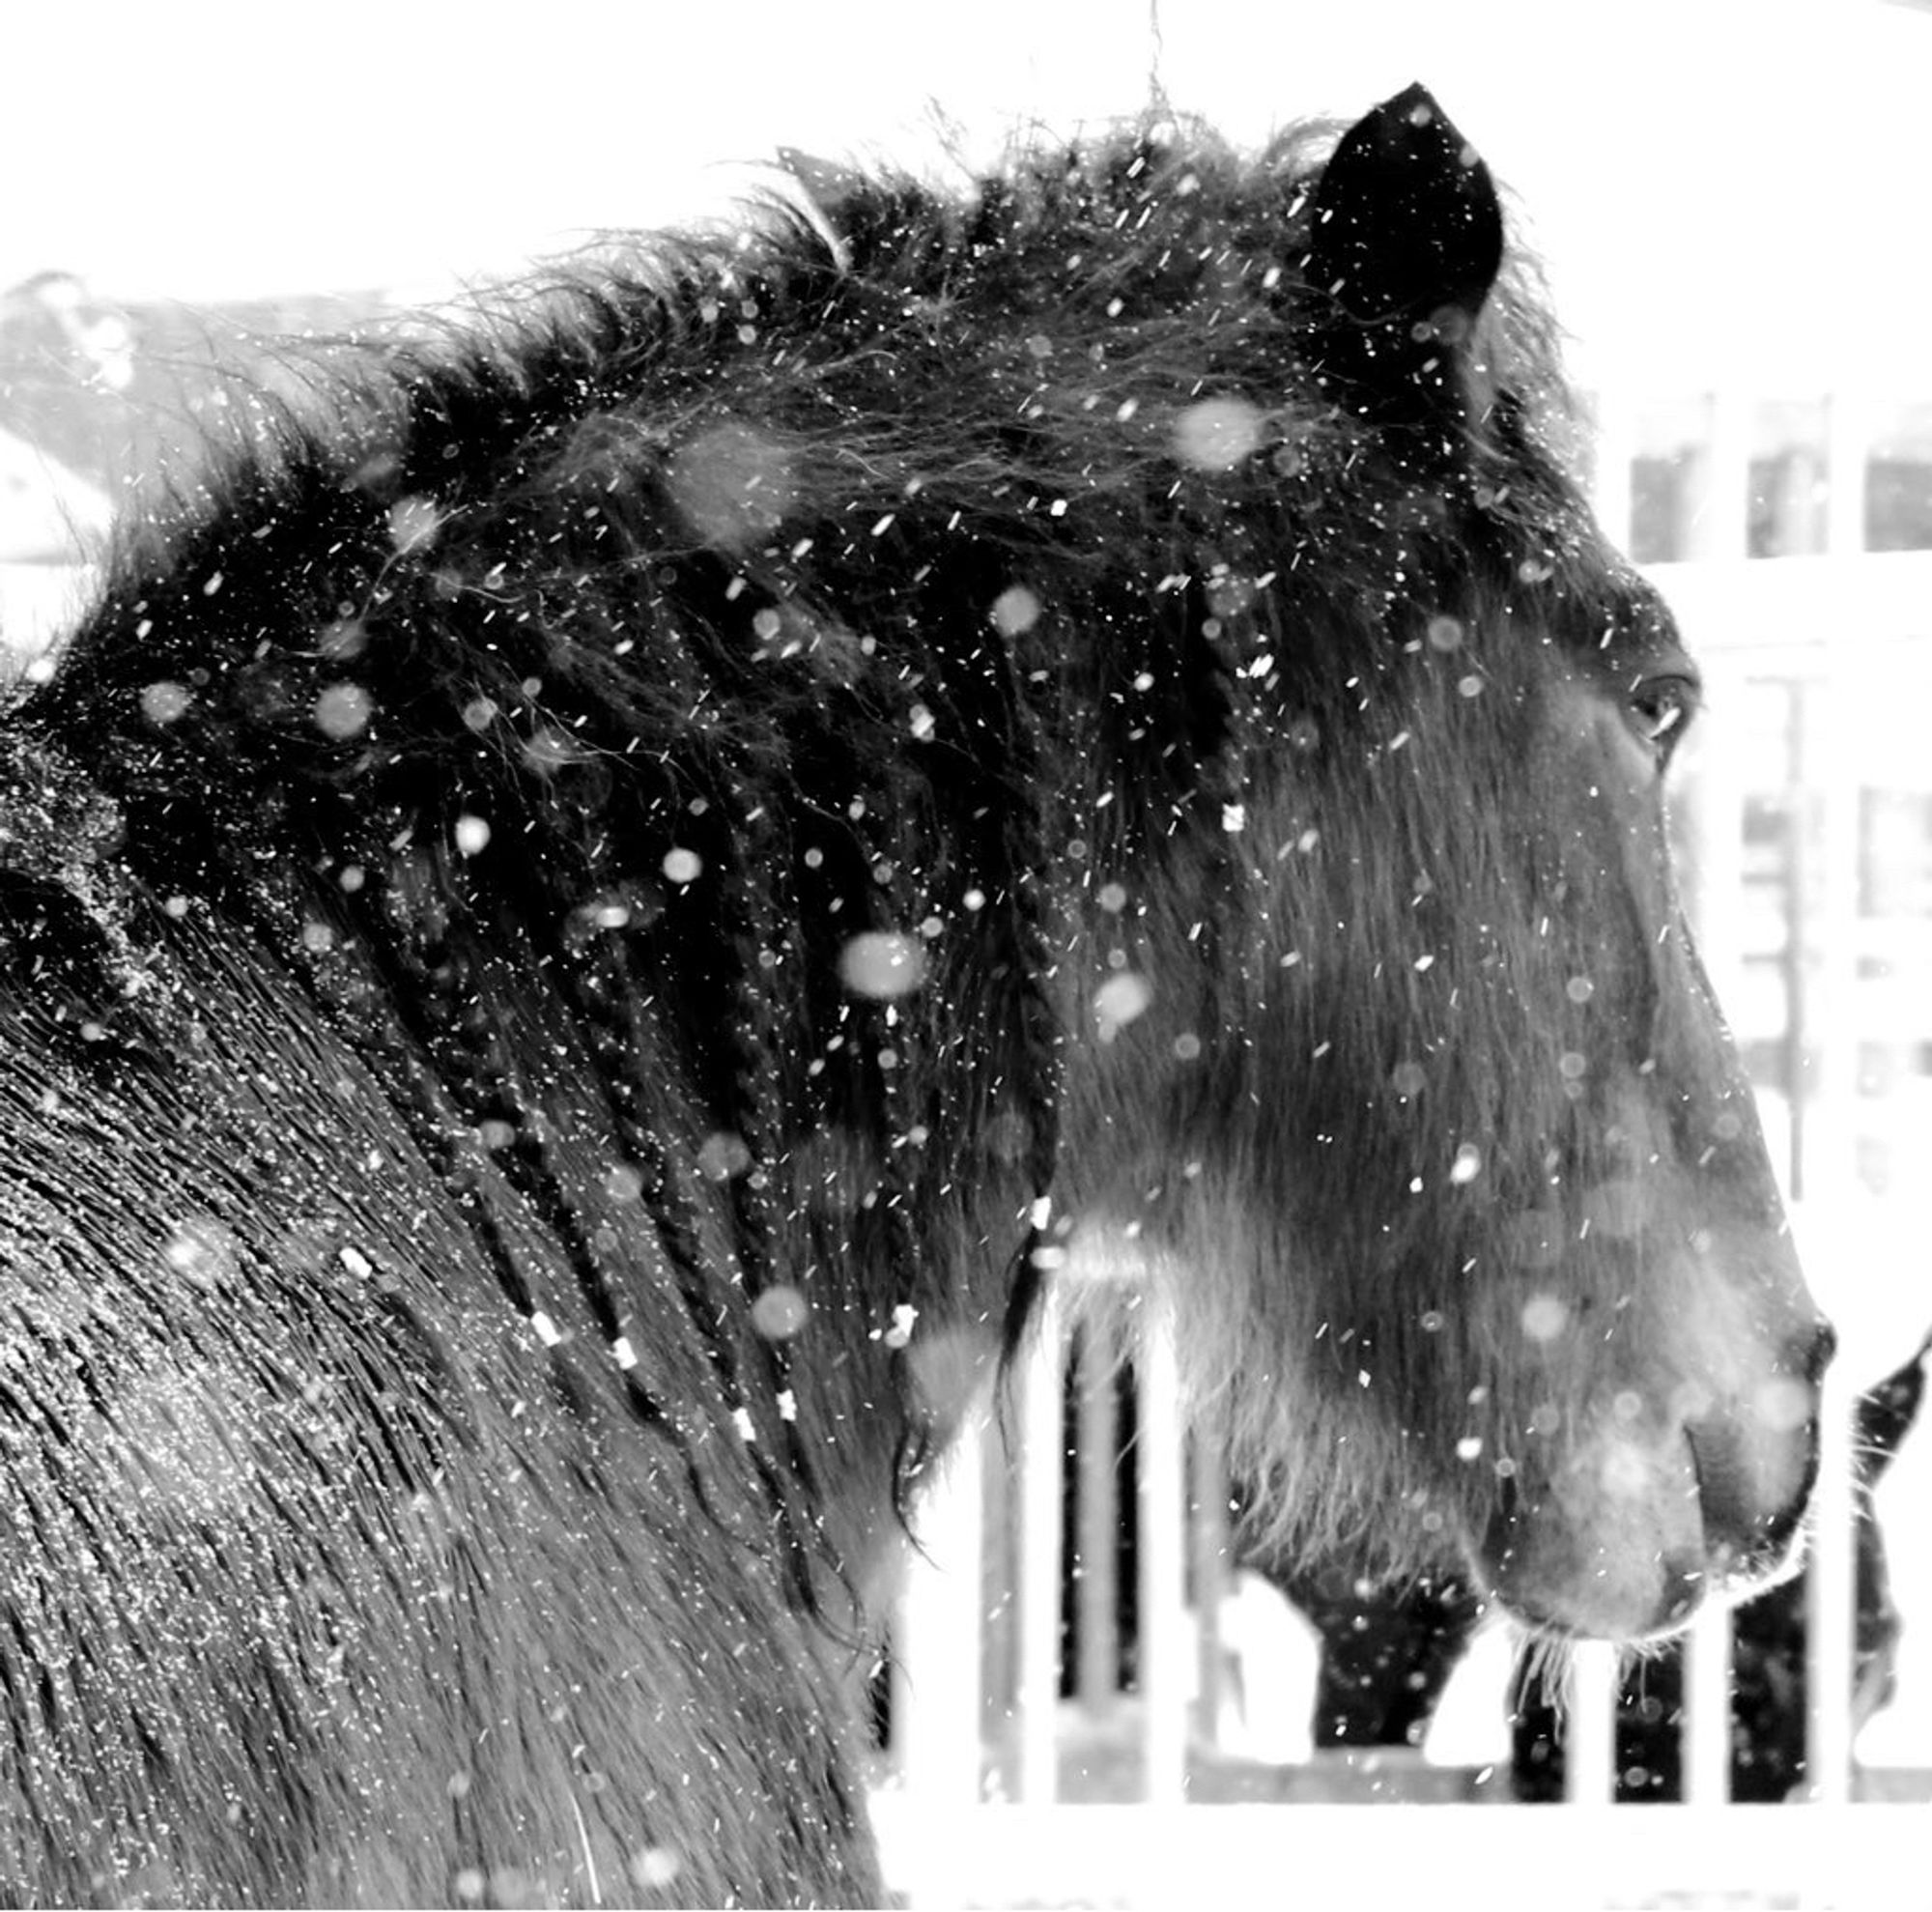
[[1431, 1110]]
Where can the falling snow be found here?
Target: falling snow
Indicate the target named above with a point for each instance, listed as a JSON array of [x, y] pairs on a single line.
[[1218, 434], [1016, 611], [164, 703], [882, 965], [342, 711], [1119, 1001], [734, 485], [780, 1312], [414, 524], [655, 1867], [723, 1157]]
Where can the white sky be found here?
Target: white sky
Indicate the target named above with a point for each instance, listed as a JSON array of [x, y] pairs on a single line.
[[1717, 182]]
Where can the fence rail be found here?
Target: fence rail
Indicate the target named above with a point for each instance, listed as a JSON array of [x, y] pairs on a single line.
[[1578, 1857]]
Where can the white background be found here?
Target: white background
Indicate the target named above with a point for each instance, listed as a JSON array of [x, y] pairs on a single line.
[[1716, 184]]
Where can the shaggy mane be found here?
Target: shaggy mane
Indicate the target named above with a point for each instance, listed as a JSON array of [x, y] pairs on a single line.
[[740, 585]]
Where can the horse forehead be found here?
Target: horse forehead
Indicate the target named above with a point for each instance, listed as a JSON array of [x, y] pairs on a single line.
[[1621, 632]]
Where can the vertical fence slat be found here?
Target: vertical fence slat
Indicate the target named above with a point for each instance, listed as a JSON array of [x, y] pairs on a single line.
[[1848, 448], [1719, 502], [1715, 832], [1707, 1707], [1163, 1502], [936, 1660], [1832, 1594], [1207, 1551], [1615, 453], [1836, 749], [1042, 1439], [1832, 1601], [1590, 1748], [1097, 1638]]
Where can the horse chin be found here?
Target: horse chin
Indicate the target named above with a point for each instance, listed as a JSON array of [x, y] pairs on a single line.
[[1629, 1614]]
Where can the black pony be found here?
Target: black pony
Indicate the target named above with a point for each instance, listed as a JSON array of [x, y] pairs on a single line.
[[601, 899]]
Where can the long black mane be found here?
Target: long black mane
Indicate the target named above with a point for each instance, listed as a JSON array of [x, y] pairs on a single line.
[[738, 593]]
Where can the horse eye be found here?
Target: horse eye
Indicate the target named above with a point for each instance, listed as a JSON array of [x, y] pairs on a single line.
[[1660, 708]]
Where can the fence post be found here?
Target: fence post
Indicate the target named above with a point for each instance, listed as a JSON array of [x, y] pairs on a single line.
[[1208, 1548], [1043, 1440], [1719, 525], [1096, 1446], [1832, 1599], [937, 1658], [1614, 453], [1836, 772], [1706, 1733], [1831, 1591], [1163, 1512], [1590, 1747], [1847, 449], [1710, 809]]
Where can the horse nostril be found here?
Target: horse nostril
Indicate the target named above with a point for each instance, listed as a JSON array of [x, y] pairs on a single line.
[[1750, 1512], [1509, 1500], [1820, 1349], [1683, 1585]]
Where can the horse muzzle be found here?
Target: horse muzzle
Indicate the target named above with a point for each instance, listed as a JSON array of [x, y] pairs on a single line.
[[1623, 1534]]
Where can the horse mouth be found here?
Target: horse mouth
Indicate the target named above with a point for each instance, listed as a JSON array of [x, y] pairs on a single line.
[[1587, 1607], [1683, 1591], [1748, 1545], [1723, 1516]]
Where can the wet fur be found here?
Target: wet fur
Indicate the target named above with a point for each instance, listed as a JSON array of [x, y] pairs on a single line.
[[693, 577]]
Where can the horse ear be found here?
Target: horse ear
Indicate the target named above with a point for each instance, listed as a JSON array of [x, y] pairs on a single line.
[[1406, 241]]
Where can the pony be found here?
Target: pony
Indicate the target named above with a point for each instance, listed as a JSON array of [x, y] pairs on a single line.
[[609, 889]]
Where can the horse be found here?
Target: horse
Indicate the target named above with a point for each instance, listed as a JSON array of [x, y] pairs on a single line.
[[609, 889]]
